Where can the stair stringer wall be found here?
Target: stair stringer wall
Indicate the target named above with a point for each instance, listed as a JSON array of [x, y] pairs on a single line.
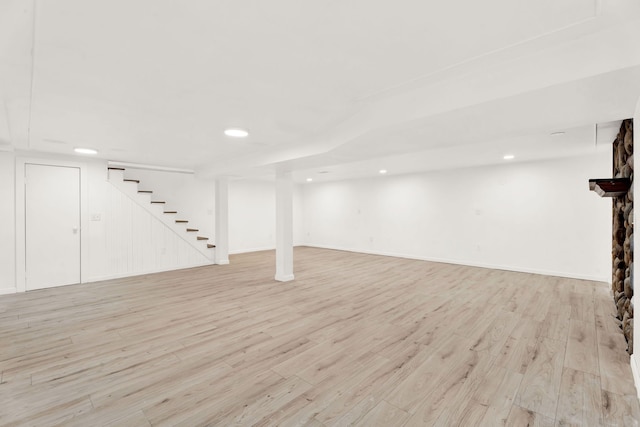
[[138, 242], [131, 189]]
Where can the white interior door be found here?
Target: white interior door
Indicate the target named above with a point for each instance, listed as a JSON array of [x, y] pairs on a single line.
[[52, 221]]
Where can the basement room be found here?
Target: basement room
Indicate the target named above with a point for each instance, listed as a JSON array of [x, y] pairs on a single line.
[[285, 213]]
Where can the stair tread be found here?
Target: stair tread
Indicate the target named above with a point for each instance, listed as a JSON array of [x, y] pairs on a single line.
[[132, 180], [170, 212], [182, 220], [209, 245], [145, 191], [114, 168], [202, 238], [192, 229], [157, 201]]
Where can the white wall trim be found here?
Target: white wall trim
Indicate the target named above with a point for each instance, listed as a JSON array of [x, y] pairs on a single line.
[[93, 279], [148, 167], [247, 250], [462, 262], [21, 163], [265, 248], [5, 291]]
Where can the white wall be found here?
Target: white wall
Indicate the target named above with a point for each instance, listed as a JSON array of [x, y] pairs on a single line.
[[298, 212], [192, 197], [98, 261], [137, 242], [94, 234], [536, 217], [144, 245], [252, 215], [7, 223], [251, 219]]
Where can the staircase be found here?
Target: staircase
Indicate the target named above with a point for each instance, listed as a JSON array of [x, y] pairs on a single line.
[[157, 208]]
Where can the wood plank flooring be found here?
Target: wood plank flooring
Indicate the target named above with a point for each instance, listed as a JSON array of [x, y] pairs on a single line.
[[355, 340]]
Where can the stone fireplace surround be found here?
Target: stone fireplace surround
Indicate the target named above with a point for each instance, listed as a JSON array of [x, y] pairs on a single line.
[[622, 242]]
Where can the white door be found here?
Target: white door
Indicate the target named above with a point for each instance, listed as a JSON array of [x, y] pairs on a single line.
[[52, 210]]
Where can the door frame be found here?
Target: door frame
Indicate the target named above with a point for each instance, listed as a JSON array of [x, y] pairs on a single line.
[[21, 230]]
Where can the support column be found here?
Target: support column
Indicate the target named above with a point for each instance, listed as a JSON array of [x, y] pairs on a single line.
[[222, 221], [284, 227]]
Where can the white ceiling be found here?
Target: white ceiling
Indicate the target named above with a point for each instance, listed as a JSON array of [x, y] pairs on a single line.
[[341, 86]]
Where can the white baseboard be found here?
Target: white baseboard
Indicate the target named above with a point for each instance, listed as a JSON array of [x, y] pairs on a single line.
[[260, 249], [462, 262], [284, 277], [5, 291], [141, 273], [244, 251], [635, 368]]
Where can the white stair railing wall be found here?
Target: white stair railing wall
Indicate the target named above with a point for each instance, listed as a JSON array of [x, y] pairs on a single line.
[[141, 239]]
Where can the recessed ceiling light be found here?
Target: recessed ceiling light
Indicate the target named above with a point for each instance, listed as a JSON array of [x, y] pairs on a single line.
[[309, 179], [557, 133], [236, 133], [509, 157], [383, 171], [85, 150], [54, 141]]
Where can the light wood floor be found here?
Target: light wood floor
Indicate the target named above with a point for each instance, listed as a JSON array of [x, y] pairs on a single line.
[[354, 340]]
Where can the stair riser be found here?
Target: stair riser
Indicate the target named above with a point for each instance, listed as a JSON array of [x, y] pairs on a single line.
[[113, 174], [157, 209], [146, 198]]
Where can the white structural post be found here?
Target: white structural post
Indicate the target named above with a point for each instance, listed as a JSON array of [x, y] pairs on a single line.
[[284, 227], [222, 221]]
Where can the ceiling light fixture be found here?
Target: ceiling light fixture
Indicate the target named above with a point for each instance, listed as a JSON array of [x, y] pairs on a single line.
[[383, 171], [509, 157], [236, 133], [85, 150], [309, 179]]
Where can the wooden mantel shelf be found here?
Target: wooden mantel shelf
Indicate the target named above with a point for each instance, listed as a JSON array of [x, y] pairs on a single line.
[[610, 187]]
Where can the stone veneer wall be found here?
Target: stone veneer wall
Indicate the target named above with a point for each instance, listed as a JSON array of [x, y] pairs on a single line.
[[622, 253]]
